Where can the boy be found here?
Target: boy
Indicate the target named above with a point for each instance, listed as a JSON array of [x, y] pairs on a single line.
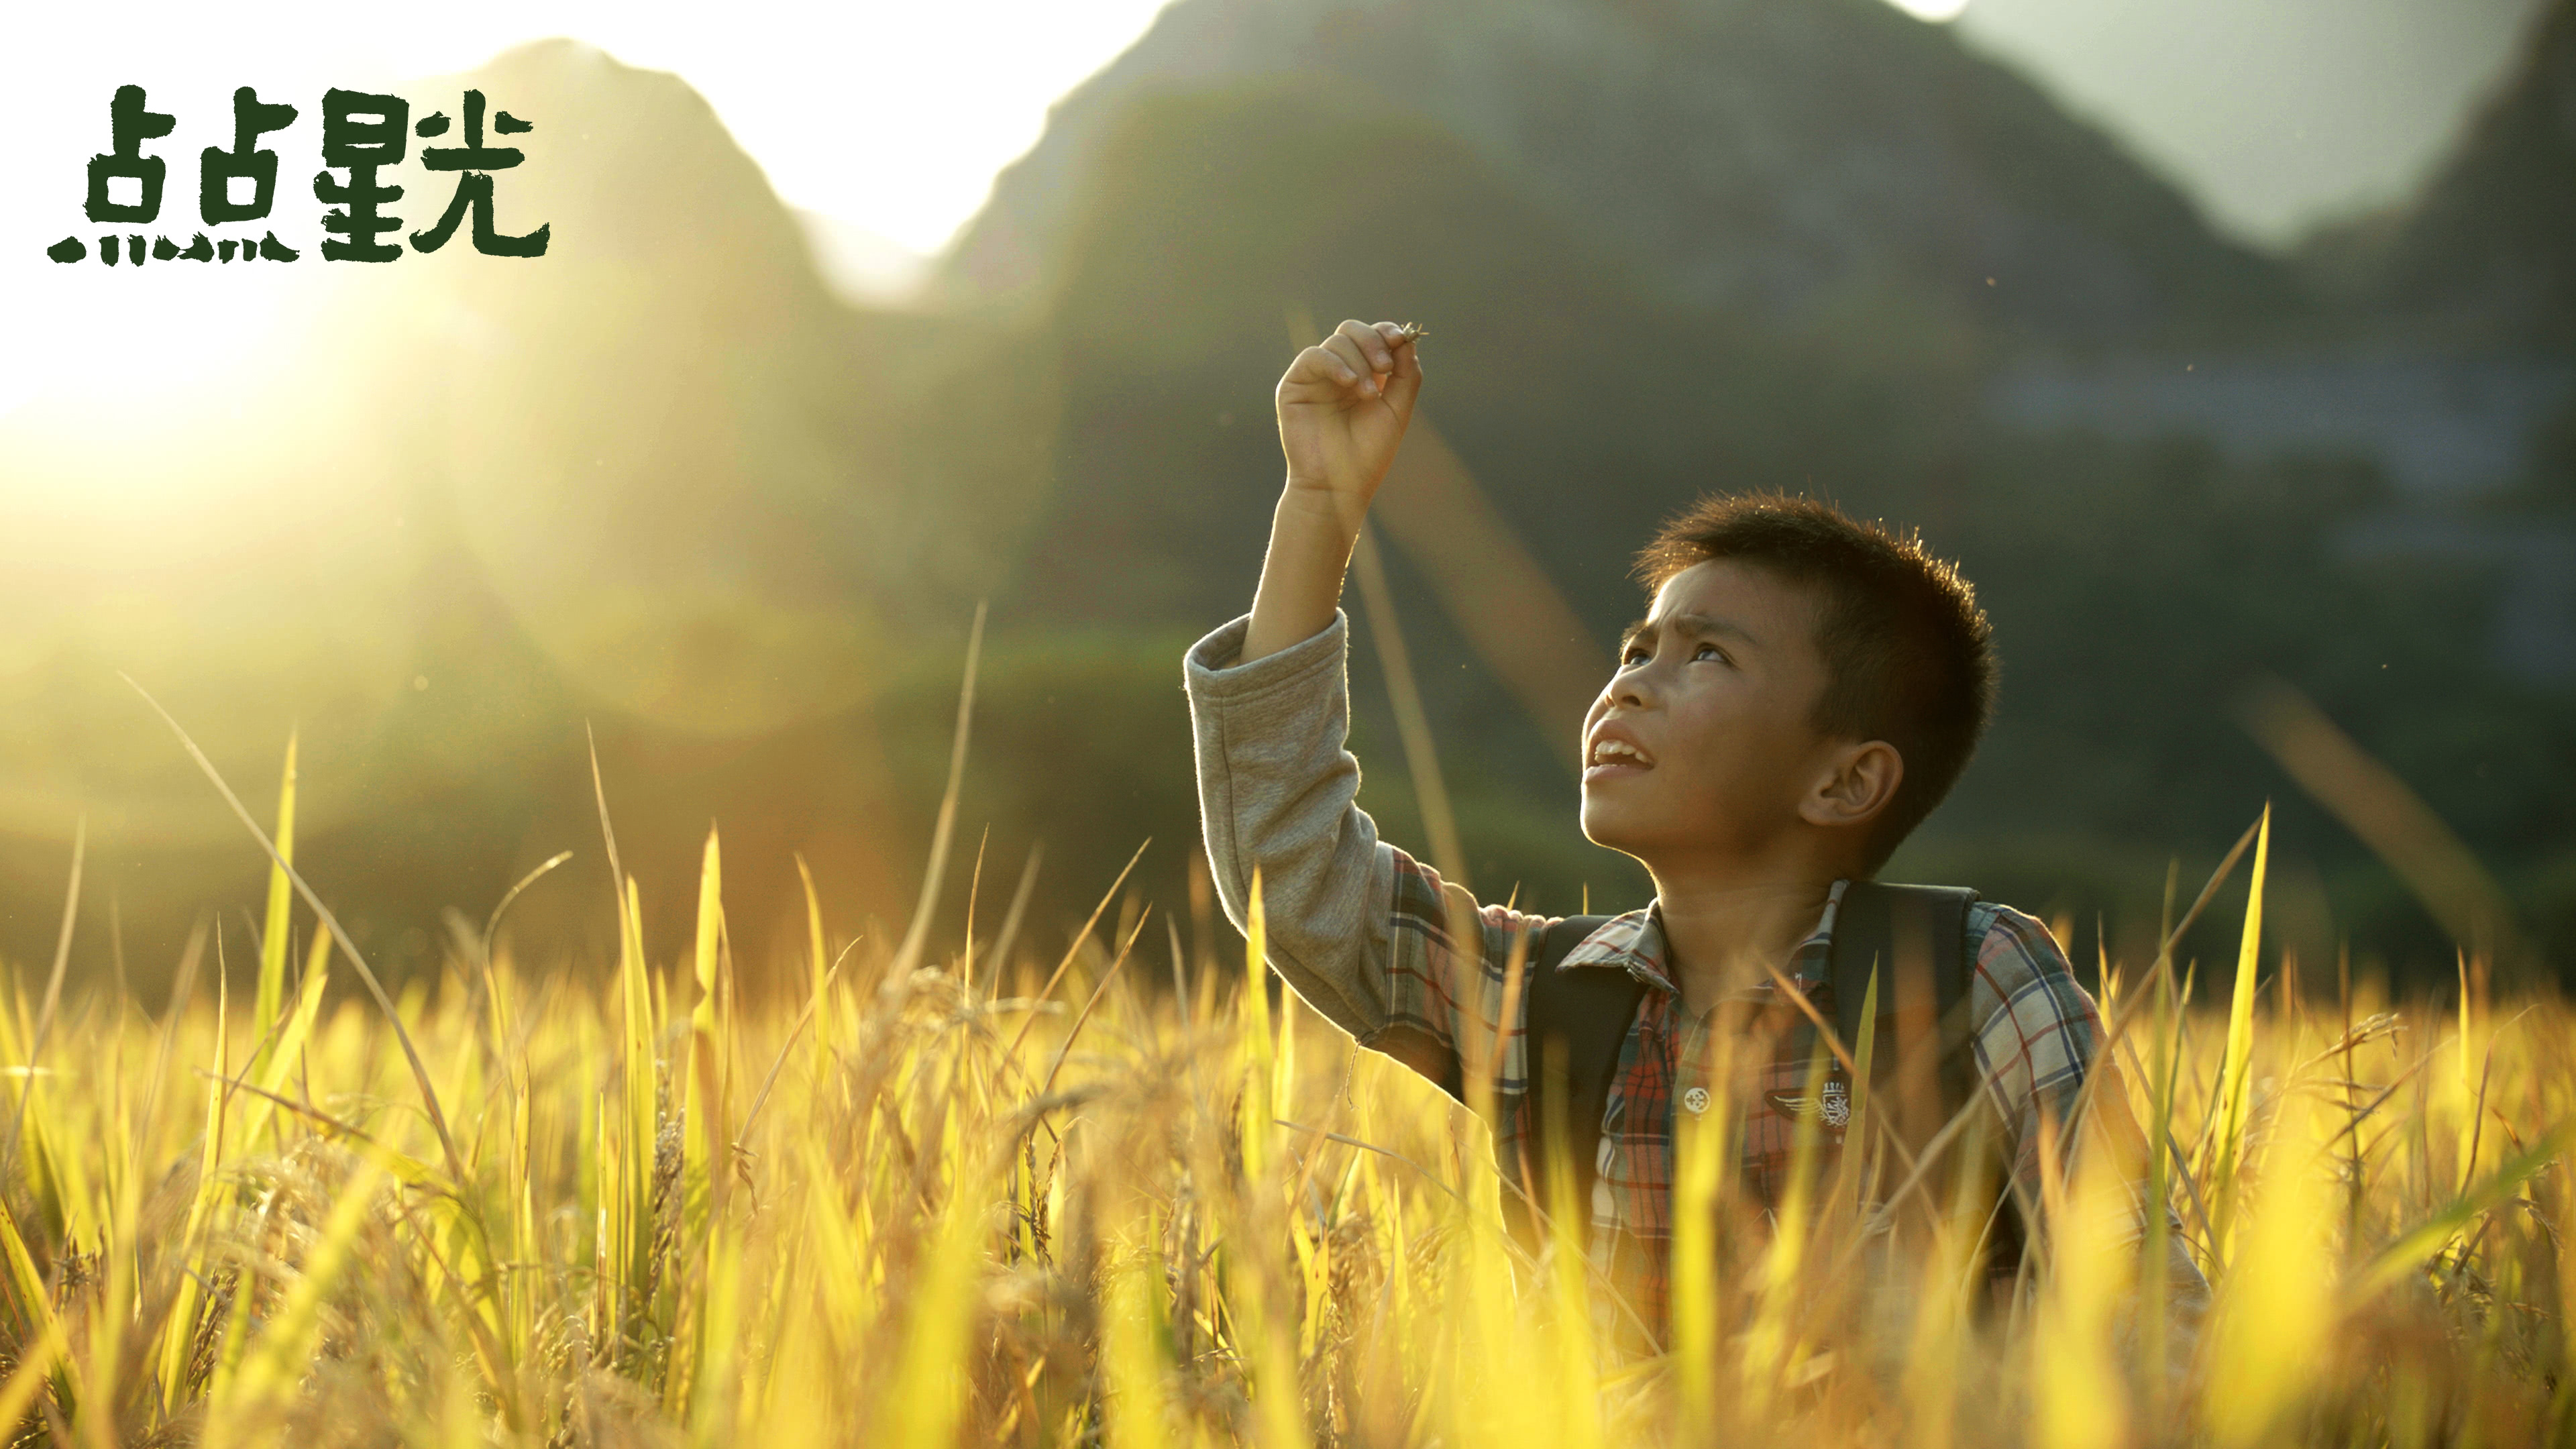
[[1802, 692]]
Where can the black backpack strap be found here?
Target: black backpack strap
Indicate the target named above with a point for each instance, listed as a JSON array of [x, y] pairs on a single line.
[[1915, 938], [1588, 1013], [1870, 925], [1917, 931]]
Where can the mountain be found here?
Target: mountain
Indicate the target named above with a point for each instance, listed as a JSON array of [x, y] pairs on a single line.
[[1764, 155]]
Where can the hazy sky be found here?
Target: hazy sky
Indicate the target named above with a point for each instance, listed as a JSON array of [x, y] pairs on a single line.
[[2274, 113], [892, 118]]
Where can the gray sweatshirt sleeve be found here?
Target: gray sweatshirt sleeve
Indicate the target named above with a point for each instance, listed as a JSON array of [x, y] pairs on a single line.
[[1278, 793]]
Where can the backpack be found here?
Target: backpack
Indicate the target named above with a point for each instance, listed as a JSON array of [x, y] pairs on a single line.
[[1587, 1014]]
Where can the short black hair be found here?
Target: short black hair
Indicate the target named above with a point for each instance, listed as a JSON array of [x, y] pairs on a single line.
[[1909, 657]]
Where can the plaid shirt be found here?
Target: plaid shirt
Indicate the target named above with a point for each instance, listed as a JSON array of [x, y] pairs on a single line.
[[2035, 1035]]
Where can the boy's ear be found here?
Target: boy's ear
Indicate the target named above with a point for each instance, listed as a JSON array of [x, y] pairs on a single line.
[[1860, 780]]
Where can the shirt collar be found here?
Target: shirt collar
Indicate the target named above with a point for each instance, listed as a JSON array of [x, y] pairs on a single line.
[[1634, 942]]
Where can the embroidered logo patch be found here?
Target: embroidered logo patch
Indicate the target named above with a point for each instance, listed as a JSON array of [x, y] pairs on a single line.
[[1832, 1103]]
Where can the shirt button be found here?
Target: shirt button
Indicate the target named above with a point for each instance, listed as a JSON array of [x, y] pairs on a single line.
[[1695, 1101]]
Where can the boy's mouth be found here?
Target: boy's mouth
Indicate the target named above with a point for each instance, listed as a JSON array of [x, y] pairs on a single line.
[[1612, 755]]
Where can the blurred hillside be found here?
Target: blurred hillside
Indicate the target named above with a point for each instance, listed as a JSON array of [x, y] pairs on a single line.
[[1779, 158], [661, 483]]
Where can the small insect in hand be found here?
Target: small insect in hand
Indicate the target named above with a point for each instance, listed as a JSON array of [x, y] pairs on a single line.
[[1413, 332]]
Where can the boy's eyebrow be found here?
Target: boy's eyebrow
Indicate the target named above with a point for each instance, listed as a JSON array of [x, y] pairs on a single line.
[[1694, 624]]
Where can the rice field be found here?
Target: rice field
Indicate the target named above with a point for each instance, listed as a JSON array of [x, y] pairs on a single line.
[[962, 1189]]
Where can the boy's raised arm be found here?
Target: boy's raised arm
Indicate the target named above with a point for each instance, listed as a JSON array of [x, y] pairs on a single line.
[[1364, 933]]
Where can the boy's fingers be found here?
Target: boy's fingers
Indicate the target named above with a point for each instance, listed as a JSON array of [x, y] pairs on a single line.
[[1319, 366], [1346, 350], [1406, 385], [1372, 344]]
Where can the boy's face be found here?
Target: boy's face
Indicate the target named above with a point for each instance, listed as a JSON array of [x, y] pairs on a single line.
[[1699, 748]]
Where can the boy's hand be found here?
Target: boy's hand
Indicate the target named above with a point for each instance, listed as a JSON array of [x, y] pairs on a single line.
[[1343, 407]]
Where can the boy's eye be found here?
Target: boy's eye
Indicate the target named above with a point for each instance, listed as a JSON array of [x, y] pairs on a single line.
[[1709, 651], [1636, 654]]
